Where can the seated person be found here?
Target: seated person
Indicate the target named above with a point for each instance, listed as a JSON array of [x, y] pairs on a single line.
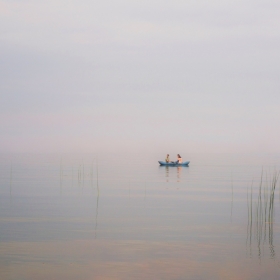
[[179, 159], [167, 158]]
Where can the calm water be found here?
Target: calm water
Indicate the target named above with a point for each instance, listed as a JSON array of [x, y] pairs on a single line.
[[115, 217]]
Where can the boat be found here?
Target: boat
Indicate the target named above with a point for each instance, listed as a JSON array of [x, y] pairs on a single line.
[[163, 163]]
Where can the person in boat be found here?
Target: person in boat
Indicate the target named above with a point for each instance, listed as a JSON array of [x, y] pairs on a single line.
[[179, 159], [167, 158]]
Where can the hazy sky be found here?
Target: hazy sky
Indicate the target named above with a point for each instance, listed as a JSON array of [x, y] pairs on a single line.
[[164, 76]]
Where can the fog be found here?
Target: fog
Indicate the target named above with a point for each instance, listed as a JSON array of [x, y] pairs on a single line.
[[163, 76]]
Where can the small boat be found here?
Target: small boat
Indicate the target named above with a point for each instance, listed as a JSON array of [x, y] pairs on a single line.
[[186, 163]]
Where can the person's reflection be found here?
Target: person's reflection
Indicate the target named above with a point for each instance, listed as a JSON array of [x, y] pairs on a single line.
[[179, 169], [167, 173]]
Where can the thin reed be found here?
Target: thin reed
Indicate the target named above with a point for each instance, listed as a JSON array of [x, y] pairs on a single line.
[[261, 211]]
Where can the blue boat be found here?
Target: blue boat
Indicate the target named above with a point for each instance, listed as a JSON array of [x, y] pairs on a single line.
[[186, 163]]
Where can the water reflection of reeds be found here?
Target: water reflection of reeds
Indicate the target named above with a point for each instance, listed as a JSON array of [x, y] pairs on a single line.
[[84, 173], [11, 180], [261, 213]]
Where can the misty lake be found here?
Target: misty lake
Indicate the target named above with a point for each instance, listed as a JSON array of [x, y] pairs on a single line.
[[125, 217]]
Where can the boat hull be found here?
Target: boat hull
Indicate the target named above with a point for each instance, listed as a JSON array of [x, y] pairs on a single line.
[[163, 163]]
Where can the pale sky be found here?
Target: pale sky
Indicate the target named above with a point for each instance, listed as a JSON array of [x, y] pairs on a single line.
[[140, 76]]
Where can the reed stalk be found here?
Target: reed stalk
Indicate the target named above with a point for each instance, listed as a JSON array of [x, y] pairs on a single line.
[[11, 181], [263, 213]]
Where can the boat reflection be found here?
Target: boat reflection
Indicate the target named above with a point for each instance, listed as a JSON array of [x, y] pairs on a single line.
[[169, 173], [179, 169]]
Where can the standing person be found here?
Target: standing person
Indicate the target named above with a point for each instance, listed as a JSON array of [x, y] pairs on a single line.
[[167, 158], [179, 159]]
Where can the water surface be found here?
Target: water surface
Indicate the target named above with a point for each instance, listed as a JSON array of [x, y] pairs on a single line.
[[93, 217]]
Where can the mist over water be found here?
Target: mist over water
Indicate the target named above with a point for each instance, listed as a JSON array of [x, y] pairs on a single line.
[[98, 216], [152, 78]]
